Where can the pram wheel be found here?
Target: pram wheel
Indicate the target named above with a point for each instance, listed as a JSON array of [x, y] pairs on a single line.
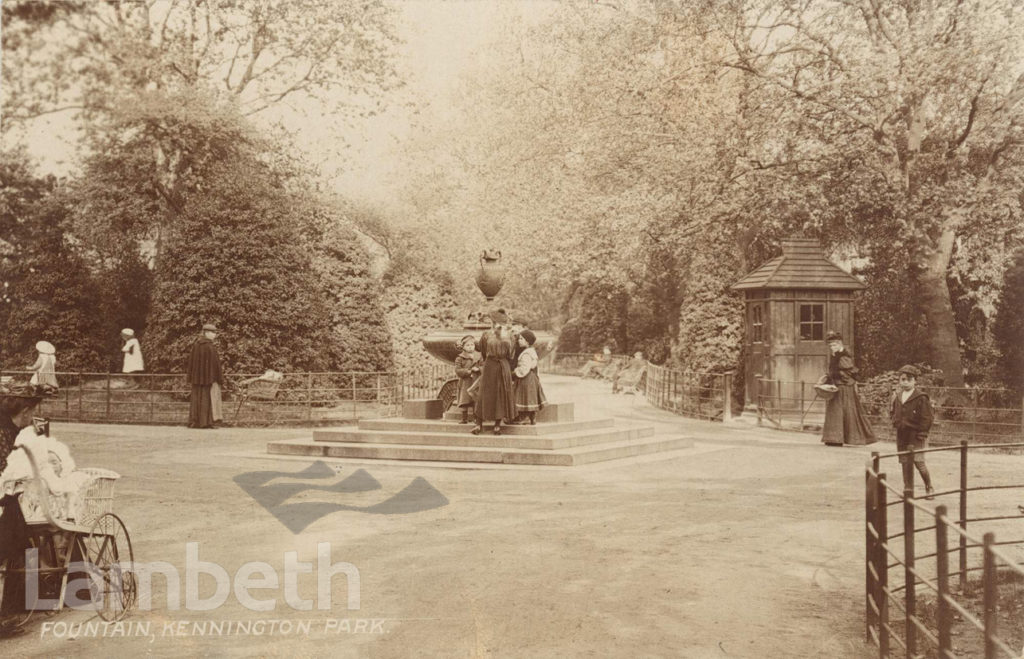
[[109, 555]]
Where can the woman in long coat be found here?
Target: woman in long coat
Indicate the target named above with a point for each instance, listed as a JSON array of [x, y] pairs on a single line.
[[845, 420], [496, 402]]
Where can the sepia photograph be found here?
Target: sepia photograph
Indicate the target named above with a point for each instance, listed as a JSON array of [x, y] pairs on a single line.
[[512, 328]]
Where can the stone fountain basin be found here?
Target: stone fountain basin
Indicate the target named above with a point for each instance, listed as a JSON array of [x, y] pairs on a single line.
[[444, 344]]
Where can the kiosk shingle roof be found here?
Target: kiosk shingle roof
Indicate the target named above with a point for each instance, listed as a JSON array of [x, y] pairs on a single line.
[[802, 265]]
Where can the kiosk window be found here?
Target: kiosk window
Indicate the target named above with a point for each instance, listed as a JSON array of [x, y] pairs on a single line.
[[812, 322], [756, 324]]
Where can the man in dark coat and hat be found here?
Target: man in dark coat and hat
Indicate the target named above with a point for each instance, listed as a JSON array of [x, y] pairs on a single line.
[[203, 369]]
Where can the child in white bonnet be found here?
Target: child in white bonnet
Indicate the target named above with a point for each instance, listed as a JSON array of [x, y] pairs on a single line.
[[56, 467]]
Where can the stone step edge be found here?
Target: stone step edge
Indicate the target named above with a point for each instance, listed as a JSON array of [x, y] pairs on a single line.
[[436, 425], [574, 434], [486, 439], [577, 456], [658, 444]]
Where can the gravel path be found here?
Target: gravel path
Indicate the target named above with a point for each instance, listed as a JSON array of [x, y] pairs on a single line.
[[750, 544]]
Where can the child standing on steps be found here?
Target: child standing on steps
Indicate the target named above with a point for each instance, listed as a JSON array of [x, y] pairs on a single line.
[[467, 369], [529, 394]]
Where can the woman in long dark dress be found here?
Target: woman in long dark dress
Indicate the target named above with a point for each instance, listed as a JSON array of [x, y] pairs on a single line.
[[18, 404], [845, 420], [496, 402]]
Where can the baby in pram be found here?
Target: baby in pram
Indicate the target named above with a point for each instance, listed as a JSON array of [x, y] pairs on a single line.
[[56, 467]]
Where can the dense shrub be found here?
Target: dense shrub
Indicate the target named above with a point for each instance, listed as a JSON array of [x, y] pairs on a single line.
[[876, 392], [604, 316], [359, 336], [889, 329], [417, 300], [237, 258], [711, 315], [569, 337], [48, 291]]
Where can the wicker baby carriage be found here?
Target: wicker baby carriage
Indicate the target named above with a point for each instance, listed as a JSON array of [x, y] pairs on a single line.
[[82, 556], [93, 499]]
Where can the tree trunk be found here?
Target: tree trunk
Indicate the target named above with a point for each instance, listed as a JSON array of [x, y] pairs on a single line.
[[943, 346]]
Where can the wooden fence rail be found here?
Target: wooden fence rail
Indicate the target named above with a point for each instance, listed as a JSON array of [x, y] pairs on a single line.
[[919, 631]]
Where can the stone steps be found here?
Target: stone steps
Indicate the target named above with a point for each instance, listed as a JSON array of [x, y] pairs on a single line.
[[442, 426], [556, 440], [552, 413], [565, 457], [485, 439]]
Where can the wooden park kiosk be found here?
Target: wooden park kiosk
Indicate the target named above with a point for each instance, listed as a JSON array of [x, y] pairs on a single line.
[[792, 302]]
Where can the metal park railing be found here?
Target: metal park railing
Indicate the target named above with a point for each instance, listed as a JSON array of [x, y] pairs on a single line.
[[691, 394], [687, 393], [912, 554], [976, 414], [248, 399]]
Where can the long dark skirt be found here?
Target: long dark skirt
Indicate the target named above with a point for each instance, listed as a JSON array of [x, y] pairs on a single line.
[[496, 397], [845, 420], [529, 394], [13, 543], [200, 409]]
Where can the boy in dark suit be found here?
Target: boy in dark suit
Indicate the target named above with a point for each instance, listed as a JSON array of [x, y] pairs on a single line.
[[911, 415]]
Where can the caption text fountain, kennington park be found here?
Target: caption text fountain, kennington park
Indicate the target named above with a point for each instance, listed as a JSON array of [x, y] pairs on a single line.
[[429, 431]]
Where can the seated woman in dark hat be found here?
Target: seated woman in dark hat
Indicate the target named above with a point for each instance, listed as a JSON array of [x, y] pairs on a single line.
[[18, 405], [845, 420]]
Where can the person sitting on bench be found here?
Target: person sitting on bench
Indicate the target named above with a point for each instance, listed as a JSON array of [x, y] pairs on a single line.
[[595, 367]]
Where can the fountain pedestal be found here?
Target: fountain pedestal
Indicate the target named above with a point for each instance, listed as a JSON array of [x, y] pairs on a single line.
[[427, 433]]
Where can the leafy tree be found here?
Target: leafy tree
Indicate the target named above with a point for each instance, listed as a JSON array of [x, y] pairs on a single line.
[[360, 340], [885, 91], [417, 300], [262, 53], [48, 291], [711, 322], [237, 258], [604, 318], [1009, 325], [164, 83]]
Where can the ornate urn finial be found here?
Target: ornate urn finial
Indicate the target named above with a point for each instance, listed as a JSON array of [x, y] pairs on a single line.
[[491, 275]]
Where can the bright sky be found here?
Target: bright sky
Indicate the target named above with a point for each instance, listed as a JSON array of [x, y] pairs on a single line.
[[440, 38]]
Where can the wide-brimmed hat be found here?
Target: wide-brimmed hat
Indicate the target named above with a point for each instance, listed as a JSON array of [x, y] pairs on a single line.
[[499, 317], [45, 347], [209, 327], [833, 336], [128, 331], [912, 371]]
